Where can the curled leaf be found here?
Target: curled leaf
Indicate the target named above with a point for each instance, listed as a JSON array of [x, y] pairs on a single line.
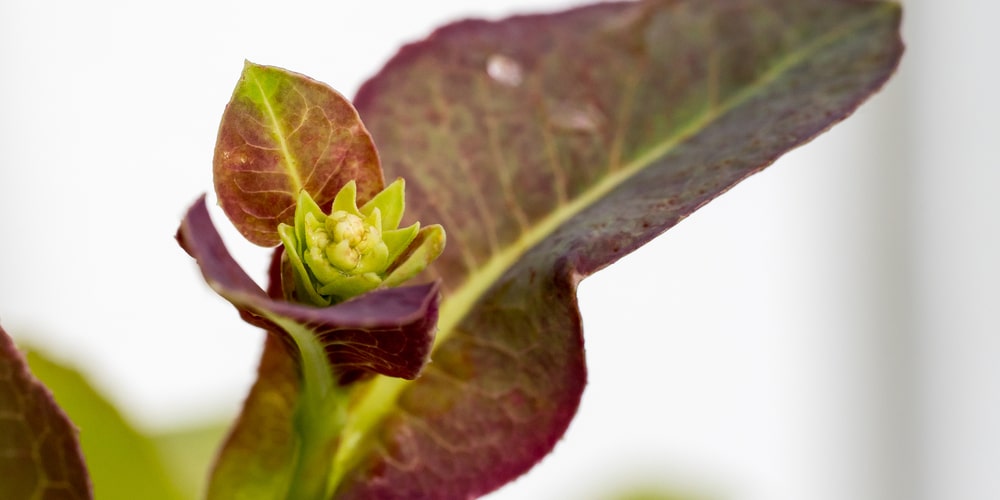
[[389, 331]]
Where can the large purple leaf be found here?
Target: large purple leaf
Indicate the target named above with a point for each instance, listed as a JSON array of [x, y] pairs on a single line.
[[549, 146], [281, 133], [40, 455]]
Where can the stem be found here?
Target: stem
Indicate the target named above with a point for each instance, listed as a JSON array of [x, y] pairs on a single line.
[[319, 418]]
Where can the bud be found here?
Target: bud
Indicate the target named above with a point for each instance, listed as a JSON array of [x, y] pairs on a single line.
[[331, 258]]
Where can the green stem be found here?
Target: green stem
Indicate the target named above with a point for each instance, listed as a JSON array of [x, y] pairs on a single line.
[[319, 418]]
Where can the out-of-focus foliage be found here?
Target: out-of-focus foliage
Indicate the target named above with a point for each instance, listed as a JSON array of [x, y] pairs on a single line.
[[124, 464]]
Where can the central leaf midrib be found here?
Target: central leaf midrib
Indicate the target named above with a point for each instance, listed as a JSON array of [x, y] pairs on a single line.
[[279, 135], [382, 392]]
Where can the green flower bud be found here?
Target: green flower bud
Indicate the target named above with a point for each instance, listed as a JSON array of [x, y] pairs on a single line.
[[331, 258]]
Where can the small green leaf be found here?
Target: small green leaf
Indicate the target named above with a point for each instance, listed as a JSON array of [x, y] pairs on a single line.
[[399, 240], [390, 202], [423, 249], [283, 133]]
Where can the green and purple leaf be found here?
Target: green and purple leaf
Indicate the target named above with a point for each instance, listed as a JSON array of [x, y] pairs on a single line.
[[549, 146], [281, 133], [40, 455]]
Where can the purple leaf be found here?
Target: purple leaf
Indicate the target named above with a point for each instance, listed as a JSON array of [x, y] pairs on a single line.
[[551, 145]]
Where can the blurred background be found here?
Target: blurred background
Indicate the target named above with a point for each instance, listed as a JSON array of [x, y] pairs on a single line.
[[828, 329]]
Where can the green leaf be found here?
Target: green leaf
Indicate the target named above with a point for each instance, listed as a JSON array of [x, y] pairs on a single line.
[[123, 462], [188, 453], [281, 133], [40, 456], [550, 146], [425, 247]]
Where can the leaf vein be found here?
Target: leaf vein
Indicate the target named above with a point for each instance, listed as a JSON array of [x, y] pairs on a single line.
[[275, 126]]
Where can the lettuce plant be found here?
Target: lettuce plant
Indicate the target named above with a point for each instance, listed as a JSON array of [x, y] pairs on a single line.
[[546, 147]]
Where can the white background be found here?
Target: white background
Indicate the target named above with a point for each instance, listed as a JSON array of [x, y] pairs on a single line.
[[826, 330]]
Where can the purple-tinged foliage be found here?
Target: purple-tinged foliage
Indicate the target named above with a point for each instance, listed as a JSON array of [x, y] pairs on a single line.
[[281, 133], [389, 332], [551, 145], [548, 146]]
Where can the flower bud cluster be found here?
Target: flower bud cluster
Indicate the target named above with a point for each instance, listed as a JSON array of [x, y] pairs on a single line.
[[332, 257]]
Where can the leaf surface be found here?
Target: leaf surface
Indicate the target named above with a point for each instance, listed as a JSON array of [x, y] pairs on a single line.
[[549, 146], [40, 455], [188, 452], [283, 132], [122, 462]]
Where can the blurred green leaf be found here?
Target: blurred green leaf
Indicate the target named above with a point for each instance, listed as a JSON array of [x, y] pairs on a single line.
[[39, 452], [123, 463], [650, 493], [188, 453]]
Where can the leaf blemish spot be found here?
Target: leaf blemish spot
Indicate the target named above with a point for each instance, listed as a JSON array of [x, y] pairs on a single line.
[[581, 118], [504, 70]]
